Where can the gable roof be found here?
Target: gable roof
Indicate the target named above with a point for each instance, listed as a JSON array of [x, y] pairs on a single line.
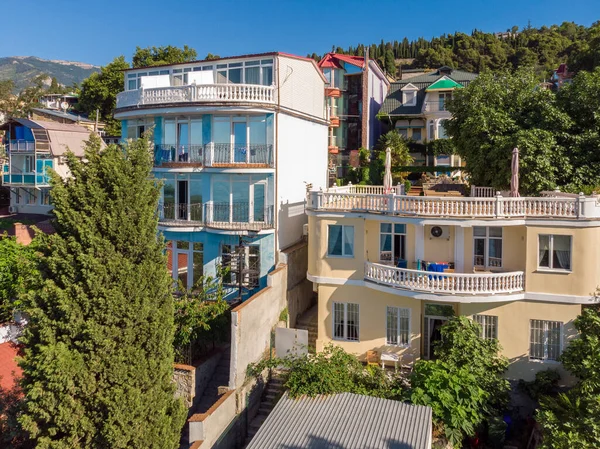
[[332, 60], [393, 102], [444, 83], [64, 115], [345, 420]]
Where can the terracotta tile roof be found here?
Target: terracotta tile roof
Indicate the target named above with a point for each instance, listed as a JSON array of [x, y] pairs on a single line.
[[9, 370]]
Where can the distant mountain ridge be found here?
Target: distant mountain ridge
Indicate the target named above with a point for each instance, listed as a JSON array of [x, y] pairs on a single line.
[[23, 69]]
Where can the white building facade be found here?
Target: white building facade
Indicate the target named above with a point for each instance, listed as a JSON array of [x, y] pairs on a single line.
[[236, 143]]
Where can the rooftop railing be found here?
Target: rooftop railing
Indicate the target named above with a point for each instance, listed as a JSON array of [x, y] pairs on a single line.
[[243, 93], [445, 283], [499, 207]]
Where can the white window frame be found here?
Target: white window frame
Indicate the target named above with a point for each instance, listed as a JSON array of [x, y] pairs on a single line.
[[343, 255], [393, 234], [486, 239], [545, 329], [399, 332], [409, 89], [487, 322], [345, 325], [551, 251]]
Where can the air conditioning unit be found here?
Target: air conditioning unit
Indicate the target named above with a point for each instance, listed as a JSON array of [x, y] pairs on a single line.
[[305, 229], [439, 232], [12, 209]]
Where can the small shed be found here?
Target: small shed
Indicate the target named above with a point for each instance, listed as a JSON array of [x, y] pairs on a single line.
[[344, 421]]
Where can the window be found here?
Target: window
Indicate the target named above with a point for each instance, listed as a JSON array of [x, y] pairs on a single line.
[[45, 197], [443, 100], [416, 134], [340, 241], [398, 326], [442, 129], [555, 252], [487, 247], [409, 98], [403, 132], [545, 341], [489, 326], [345, 321], [249, 258], [391, 242]]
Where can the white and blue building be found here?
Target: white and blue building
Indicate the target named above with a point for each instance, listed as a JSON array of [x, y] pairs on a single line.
[[236, 143]]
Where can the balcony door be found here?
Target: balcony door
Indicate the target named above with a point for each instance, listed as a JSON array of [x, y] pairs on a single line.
[[434, 317], [182, 141], [182, 200], [240, 142]]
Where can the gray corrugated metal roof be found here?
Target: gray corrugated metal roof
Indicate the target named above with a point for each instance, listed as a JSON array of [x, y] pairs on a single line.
[[344, 421], [62, 114], [393, 102]]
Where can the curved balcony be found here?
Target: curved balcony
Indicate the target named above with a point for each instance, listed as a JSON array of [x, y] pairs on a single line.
[[499, 207], [475, 284], [201, 93]]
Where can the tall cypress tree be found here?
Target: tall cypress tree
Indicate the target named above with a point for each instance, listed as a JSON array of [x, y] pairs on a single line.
[[98, 360]]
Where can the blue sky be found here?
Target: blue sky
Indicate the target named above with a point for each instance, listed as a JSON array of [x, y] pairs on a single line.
[[100, 30]]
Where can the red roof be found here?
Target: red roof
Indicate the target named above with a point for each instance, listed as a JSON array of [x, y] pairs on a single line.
[[562, 68], [9, 370], [334, 60]]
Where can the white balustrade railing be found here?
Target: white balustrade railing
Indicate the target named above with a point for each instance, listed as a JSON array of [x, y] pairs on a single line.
[[251, 93], [368, 189], [347, 199], [445, 283], [483, 192]]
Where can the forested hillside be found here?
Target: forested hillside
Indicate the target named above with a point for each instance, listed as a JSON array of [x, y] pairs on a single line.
[[544, 48]]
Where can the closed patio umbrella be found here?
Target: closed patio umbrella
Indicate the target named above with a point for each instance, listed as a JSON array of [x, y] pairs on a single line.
[[514, 168], [387, 177]]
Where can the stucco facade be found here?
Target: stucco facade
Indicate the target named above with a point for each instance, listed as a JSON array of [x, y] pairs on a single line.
[[527, 279]]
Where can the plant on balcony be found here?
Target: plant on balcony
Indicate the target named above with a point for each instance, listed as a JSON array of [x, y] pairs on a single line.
[[400, 157], [98, 357], [202, 318], [571, 419], [464, 384]]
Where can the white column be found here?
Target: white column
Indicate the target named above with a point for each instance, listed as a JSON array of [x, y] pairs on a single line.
[[419, 241], [459, 249]]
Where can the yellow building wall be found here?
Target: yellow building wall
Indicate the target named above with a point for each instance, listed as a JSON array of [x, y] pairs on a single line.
[[372, 320], [584, 277], [513, 325], [320, 264], [514, 331]]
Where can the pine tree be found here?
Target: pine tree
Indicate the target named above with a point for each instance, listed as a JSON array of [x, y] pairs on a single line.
[[98, 361]]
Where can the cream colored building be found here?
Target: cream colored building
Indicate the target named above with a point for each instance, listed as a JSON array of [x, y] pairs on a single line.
[[390, 269]]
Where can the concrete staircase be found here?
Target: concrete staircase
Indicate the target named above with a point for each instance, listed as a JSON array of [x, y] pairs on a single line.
[[271, 395], [415, 191], [308, 321]]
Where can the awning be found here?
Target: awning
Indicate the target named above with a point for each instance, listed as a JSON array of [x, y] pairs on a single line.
[[405, 124]]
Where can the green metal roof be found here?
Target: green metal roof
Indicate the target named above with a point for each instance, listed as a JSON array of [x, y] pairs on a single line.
[[393, 102], [444, 84]]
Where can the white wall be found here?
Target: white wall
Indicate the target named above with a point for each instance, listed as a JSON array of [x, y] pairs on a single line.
[[301, 159], [301, 87], [252, 323]]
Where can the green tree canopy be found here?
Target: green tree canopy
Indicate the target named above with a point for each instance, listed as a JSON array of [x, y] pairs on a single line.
[[571, 419], [169, 54], [99, 92], [500, 111], [98, 358], [18, 274], [464, 384]]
